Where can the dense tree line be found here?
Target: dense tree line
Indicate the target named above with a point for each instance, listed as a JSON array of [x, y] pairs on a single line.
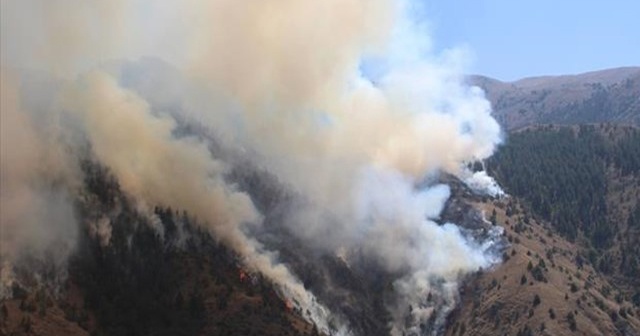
[[565, 176], [561, 173]]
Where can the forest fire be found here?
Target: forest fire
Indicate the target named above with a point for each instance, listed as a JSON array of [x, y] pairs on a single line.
[[262, 124], [288, 305]]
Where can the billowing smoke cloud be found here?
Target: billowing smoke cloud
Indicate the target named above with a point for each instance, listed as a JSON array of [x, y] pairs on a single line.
[[354, 148], [156, 168], [37, 223], [482, 183], [283, 81]]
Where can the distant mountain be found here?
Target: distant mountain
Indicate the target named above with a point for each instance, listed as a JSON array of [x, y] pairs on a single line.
[[609, 96]]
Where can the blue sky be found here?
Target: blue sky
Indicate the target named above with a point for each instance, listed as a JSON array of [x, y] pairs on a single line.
[[511, 39]]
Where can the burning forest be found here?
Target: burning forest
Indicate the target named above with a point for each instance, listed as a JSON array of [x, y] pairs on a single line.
[[260, 125]]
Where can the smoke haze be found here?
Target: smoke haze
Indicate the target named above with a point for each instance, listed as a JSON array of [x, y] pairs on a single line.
[[281, 84], [36, 214]]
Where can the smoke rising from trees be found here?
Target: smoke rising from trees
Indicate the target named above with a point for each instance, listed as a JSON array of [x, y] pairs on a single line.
[[278, 82]]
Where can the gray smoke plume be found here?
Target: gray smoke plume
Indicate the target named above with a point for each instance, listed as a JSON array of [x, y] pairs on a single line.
[[281, 84], [37, 223]]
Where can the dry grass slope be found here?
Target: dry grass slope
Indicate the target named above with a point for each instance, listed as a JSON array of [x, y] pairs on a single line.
[[540, 289]]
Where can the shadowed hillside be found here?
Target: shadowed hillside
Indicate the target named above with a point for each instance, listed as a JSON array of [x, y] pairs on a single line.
[[145, 275]]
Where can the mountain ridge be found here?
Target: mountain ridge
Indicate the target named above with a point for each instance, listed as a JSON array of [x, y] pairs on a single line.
[[610, 95], [611, 74]]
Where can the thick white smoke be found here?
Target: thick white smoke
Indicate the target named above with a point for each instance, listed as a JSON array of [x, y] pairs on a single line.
[[482, 183], [283, 81]]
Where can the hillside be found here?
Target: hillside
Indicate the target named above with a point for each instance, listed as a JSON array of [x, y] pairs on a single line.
[[551, 282], [541, 288], [585, 180], [132, 280], [573, 222], [552, 279], [601, 96]]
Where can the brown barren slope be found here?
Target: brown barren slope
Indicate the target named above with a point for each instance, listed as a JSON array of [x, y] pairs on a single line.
[[541, 264]]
